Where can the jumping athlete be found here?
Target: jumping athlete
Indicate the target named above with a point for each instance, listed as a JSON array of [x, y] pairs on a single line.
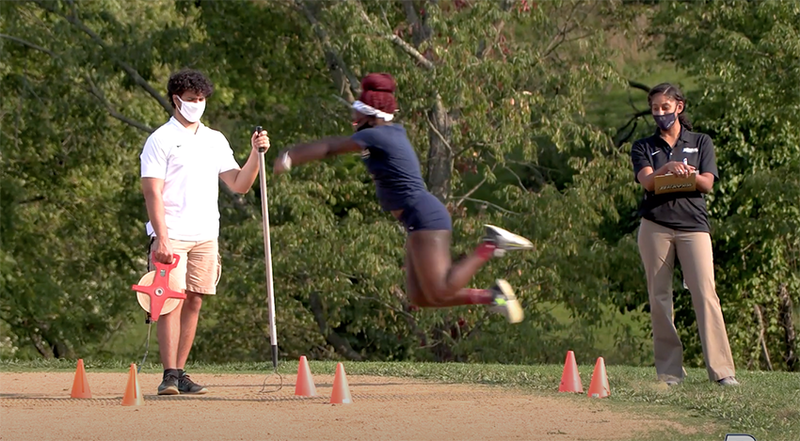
[[432, 280]]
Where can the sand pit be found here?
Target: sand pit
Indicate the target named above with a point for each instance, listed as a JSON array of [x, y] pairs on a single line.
[[37, 406]]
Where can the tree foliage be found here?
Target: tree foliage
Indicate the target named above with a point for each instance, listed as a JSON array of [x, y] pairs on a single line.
[[495, 96]]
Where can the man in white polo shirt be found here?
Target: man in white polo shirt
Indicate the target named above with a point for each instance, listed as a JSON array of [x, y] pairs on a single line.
[[181, 165]]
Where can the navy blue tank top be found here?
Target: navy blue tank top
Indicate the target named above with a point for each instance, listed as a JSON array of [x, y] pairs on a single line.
[[393, 164]]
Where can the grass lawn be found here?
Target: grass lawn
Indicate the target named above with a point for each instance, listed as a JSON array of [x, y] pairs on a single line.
[[766, 405]]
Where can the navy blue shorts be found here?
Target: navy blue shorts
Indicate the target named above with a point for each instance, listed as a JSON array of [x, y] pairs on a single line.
[[426, 212]]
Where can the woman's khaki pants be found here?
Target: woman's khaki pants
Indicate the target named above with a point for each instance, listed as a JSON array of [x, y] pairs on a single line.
[[658, 246]]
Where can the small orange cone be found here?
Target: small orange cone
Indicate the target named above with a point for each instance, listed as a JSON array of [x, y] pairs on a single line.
[[133, 394], [599, 387], [304, 386], [570, 378], [341, 391], [80, 385]]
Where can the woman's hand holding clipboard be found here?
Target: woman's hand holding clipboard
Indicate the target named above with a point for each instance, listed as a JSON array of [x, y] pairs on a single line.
[[678, 179]]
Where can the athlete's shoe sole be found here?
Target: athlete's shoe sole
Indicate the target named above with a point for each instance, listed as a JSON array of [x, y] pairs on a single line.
[[169, 386], [505, 240], [505, 302]]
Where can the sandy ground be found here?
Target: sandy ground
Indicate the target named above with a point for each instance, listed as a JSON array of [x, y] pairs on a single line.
[[37, 406]]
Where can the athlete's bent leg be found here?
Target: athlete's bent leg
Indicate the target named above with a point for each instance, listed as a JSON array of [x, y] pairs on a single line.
[[442, 284], [439, 283], [433, 280]]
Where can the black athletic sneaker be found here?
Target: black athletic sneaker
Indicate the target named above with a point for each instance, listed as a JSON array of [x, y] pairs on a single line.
[[505, 302], [505, 240], [187, 386], [169, 386]]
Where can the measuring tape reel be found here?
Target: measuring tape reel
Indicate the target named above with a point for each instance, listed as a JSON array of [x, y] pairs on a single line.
[[159, 292]]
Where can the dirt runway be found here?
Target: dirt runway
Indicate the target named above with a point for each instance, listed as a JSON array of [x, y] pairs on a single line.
[[37, 406]]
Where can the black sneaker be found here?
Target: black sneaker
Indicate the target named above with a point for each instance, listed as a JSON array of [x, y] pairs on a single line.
[[169, 386], [187, 386]]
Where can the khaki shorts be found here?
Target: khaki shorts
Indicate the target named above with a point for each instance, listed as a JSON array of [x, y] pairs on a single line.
[[200, 265]]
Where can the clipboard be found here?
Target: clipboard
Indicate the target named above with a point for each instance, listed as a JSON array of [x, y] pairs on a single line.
[[670, 183]]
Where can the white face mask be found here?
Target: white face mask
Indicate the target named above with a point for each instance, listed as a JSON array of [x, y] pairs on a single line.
[[192, 111]]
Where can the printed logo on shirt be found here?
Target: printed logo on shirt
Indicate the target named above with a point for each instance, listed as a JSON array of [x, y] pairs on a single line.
[[655, 153], [690, 150]]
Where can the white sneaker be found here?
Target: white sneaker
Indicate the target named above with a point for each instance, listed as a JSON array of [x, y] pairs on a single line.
[[728, 381], [505, 302], [505, 240]]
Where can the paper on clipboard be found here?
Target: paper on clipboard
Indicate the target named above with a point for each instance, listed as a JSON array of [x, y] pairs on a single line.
[[670, 183]]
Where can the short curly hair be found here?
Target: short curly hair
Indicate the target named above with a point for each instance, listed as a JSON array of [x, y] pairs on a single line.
[[189, 79]]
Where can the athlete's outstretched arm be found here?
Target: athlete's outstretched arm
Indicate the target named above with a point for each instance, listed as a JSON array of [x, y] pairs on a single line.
[[313, 151]]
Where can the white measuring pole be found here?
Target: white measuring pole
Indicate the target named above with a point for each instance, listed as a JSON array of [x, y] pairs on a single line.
[[273, 337]]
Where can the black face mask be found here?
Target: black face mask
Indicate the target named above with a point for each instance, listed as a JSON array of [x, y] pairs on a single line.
[[664, 122], [361, 126]]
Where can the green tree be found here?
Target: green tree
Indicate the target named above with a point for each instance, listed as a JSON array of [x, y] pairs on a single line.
[[497, 111], [483, 104], [69, 182]]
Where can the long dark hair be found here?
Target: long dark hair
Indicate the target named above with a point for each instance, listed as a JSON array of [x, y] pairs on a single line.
[[674, 92]]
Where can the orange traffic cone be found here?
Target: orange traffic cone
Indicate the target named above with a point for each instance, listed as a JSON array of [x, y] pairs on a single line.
[[133, 394], [599, 386], [341, 391], [80, 385], [305, 383], [570, 378]]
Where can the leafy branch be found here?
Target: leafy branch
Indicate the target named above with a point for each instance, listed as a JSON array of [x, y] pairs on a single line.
[[93, 89], [344, 78], [97, 93], [635, 118], [491, 204], [399, 42], [29, 44], [561, 35], [341, 344], [133, 73]]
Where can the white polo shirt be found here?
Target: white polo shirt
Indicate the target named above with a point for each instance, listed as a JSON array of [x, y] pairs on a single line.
[[190, 164]]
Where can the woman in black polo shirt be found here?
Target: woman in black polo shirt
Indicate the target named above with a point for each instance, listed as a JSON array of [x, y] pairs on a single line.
[[676, 225]]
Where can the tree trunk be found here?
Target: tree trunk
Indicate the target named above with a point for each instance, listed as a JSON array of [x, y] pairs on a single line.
[[61, 350], [440, 154], [785, 319], [339, 343], [762, 342], [441, 350], [41, 347]]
